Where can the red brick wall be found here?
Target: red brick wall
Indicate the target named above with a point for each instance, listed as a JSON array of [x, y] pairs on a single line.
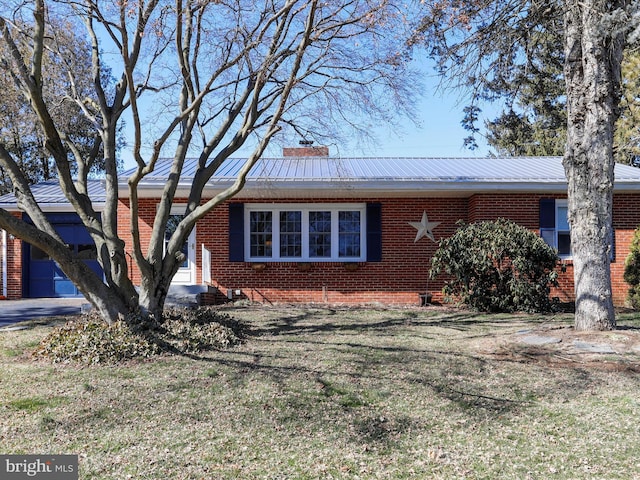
[[626, 218], [14, 265], [401, 275], [399, 278], [523, 209], [308, 151], [147, 210]]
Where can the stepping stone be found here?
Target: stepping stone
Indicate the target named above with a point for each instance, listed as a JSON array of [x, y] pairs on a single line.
[[540, 340], [593, 347], [12, 329]]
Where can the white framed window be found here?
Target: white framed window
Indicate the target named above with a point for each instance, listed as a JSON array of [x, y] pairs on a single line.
[[305, 232], [559, 237]]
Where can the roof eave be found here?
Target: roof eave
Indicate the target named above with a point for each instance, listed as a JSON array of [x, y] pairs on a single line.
[[384, 187], [342, 188], [51, 207]]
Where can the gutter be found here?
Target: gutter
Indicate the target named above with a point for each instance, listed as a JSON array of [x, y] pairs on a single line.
[[359, 188], [51, 207]]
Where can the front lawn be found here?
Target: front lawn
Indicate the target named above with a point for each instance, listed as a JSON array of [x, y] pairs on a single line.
[[319, 392]]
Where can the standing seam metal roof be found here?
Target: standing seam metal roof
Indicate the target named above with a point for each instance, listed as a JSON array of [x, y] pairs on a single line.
[[385, 173], [49, 192], [396, 169]]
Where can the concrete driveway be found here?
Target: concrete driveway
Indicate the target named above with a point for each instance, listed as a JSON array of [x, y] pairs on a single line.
[[12, 311]]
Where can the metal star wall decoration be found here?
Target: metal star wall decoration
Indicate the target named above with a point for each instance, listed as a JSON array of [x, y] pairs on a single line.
[[424, 228]]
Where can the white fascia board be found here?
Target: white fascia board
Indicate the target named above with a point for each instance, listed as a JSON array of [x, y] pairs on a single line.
[[50, 207], [384, 188], [10, 207], [393, 189], [420, 186]]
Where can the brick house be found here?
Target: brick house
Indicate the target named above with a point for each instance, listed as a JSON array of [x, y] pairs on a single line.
[[308, 227]]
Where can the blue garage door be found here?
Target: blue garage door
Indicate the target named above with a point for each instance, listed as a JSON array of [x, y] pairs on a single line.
[[43, 277]]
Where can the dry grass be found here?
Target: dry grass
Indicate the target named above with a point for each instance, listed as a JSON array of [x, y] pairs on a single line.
[[345, 393]]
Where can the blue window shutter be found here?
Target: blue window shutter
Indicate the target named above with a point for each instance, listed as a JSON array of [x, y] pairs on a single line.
[[547, 220], [374, 232], [236, 232], [547, 213], [612, 256]]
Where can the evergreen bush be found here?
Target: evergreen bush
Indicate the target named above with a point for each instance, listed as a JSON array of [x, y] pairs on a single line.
[[497, 266], [632, 270]]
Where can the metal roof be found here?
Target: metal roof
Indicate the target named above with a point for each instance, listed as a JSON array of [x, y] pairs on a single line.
[[351, 177], [308, 176], [49, 195], [361, 168]]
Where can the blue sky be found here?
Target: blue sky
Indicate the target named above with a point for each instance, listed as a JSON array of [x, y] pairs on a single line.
[[438, 132], [438, 135]]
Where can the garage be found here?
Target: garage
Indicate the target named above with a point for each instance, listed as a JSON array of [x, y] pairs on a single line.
[[42, 277]]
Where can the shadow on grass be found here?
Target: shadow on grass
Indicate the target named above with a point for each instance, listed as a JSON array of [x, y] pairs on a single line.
[[345, 357], [320, 321], [283, 351]]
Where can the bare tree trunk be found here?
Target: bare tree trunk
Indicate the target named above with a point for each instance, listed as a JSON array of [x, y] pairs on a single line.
[[109, 302], [592, 73], [153, 294], [238, 76]]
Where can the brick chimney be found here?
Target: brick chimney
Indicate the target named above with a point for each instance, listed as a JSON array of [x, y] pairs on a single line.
[[306, 151]]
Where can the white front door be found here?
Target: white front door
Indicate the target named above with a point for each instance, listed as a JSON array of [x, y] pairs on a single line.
[[186, 274]]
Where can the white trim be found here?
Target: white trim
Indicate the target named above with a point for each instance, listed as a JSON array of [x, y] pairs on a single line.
[[51, 207], [305, 208], [206, 265], [277, 189], [328, 189], [185, 275]]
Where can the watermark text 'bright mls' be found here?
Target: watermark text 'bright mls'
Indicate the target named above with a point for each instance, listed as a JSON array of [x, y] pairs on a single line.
[[49, 467]]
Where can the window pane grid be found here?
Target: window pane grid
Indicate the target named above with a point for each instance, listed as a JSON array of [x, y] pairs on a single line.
[[563, 240], [559, 237], [294, 232], [172, 225], [319, 234], [563, 219], [291, 234], [564, 243], [261, 236], [349, 234]]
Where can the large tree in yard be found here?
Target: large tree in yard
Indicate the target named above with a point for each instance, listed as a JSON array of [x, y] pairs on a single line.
[[19, 131], [198, 78], [594, 41], [534, 116], [482, 44]]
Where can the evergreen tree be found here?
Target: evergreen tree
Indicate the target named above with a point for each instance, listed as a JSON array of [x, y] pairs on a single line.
[[534, 122], [490, 46]]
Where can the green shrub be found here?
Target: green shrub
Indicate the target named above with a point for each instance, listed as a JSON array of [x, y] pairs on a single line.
[[632, 270], [90, 340], [497, 266]]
